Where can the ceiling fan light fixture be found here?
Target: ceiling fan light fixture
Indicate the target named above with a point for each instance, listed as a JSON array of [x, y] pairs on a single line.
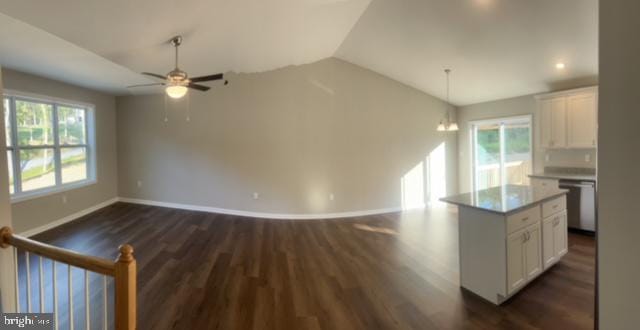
[[176, 91]]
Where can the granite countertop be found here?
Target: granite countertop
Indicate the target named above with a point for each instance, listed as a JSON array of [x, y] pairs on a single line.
[[504, 199], [566, 176]]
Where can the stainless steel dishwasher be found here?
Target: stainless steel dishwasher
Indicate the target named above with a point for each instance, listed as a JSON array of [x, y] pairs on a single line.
[[581, 204]]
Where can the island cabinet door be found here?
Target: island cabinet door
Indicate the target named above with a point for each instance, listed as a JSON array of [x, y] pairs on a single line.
[[533, 251], [554, 238], [548, 238], [560, 235], [516, 276]]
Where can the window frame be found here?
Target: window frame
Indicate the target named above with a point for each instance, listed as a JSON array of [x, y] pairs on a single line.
[[501, 121], [89, 145]]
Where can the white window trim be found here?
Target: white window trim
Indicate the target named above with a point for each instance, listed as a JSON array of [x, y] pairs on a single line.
[[92, 165]]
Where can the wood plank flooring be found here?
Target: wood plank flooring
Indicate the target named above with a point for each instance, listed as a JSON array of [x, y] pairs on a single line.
[[396, 271]]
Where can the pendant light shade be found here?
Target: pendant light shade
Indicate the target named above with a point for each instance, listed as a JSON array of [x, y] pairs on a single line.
[[447, 124]]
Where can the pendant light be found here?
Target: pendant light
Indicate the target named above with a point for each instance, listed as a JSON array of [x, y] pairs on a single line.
[[446, 124]]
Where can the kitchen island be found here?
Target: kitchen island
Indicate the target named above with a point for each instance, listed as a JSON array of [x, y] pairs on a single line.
[[508, 236]]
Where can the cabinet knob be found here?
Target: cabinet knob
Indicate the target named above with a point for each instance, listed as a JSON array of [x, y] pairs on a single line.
[[525, 219]]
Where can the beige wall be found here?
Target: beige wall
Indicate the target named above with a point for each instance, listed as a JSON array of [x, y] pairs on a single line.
[[618, 174], [294, 135], [523, 105], [37, 212]]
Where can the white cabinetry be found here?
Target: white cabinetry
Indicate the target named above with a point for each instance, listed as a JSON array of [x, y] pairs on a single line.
[[523, 257], [568, 119], [582, 120], [500, 253], [515, 261], [533, 252], [554, 238], [553, 118]]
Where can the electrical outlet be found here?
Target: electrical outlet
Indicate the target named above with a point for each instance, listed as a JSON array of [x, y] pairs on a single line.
[[64, 199], [331, 197], [587, 158], [546, 158], [256, 195], [139, 184]]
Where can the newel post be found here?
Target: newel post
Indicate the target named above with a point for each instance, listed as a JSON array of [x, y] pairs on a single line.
[[8, 266], [5, 234], [125, 293]]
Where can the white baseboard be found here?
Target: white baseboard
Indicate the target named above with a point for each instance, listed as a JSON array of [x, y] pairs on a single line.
[[69, 218], [283, 216]]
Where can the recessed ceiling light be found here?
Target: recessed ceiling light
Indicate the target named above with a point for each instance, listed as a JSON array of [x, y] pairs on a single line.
[[560, 66]]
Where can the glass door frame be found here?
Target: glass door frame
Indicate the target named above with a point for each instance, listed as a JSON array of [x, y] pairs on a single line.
[[501, 121]]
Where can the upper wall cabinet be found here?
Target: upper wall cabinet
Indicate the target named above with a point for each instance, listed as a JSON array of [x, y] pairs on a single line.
[[568, 119], [553, 121]]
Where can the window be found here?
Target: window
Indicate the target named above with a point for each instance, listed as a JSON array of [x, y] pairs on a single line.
[[49, 145], [501, 152]]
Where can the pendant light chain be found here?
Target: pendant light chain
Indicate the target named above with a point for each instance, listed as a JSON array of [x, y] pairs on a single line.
[[176, 47], [448, 71]]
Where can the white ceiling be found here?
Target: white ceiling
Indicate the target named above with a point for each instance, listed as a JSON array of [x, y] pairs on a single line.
[[496, 48], [28, 49]]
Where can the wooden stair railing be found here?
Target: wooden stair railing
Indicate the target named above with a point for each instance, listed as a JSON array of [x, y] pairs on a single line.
[[122, 270]]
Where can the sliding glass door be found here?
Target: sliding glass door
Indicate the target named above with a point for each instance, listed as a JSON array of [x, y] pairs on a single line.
[[501, 152]]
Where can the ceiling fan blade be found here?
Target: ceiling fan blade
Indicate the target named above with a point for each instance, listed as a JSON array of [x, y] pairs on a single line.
[[199, 87], [207, 78], [155, 75], [146, 85]]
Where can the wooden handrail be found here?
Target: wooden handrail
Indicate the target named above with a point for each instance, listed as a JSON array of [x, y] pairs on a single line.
[[94, 264], [123, 270]]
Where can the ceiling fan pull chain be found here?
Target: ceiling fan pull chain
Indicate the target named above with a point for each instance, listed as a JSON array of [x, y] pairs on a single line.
[[166, 113], [188, 107]]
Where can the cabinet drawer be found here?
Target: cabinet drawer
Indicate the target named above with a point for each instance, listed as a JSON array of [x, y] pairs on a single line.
[[523, 219], [554, 206], [544, 184]]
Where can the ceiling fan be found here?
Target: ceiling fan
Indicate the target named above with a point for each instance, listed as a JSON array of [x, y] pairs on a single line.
[[177, 81]]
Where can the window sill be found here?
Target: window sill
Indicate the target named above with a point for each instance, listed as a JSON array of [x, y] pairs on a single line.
[[51, 191]]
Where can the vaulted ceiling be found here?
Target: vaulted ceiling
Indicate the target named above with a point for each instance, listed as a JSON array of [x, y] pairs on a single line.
[[496, 48]]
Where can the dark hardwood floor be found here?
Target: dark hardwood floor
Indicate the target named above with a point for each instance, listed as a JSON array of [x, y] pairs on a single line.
[[397, 271]]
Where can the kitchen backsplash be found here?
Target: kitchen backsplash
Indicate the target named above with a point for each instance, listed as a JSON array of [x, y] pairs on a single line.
[[570, 170], [572, 158]]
